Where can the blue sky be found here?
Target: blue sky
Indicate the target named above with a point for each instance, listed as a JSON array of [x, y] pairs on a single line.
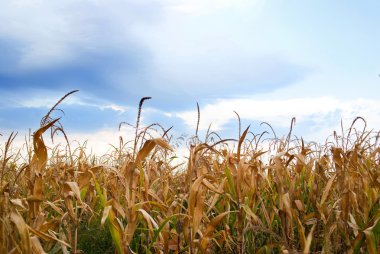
[[268, 60]]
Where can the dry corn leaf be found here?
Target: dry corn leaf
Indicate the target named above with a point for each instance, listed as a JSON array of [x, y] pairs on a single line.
[[299, 205], [216, 195], [196, 204], [241, 140], [308, 240], [287, 207], [18, 202], [251, 215], [326, 191], [118, 208], [211, 226], [70, 210], [23, 231], [84, 179], [149, 146], [131, 226], [210, 186], [371, 238], [73, 186], [37, 193], [55, 207], [152, 224], [36, 245], [40, 157], [301, 234], [106, 212]]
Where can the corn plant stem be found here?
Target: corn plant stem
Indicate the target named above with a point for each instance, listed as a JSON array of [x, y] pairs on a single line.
[[7, 145], [75, 229]]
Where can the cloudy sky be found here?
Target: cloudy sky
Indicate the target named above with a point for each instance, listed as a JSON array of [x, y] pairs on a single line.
[[318, 61]]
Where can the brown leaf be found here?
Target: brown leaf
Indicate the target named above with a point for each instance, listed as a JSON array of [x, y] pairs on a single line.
[[210, 229], [73, 186], [326, 191], [36, 245], [23, 232], [47, 237], [40, 153], [106, 212], [308, 240], [149, 146], [299, 205]]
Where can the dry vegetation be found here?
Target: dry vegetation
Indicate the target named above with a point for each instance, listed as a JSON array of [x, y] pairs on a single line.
[[245, 196]]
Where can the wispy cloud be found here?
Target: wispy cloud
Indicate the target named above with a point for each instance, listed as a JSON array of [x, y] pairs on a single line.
[[203, 7], [48, 102]]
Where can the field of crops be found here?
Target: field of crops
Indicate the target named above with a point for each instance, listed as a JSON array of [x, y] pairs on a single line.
[[249, 195]]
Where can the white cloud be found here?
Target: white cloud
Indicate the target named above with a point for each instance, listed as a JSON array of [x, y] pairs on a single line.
[[48, 101], [195, 44], [98, 142], [205, 43], [52, 32], [279, 113], [202, 7], [118, 108]]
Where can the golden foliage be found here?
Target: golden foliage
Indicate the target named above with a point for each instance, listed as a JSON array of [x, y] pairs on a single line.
[[287, 198]]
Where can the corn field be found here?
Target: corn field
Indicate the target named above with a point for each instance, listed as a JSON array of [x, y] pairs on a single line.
[[242, 195]]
